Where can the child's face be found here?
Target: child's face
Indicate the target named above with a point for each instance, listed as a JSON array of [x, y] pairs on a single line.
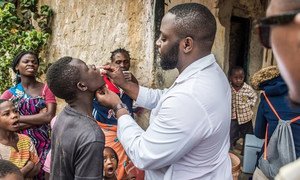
[[237, 78], [110, 162], [89, 75], [9, 116]]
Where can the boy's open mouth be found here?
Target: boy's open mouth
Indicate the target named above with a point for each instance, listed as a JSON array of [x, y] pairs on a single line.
[[16, 123], [110, 170]]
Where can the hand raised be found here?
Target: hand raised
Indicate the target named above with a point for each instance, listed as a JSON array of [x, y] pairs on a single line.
[[115, 74], [107, 98]]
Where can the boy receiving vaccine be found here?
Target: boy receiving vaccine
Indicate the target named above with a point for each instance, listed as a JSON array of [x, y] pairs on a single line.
[[14, 147], [243, 101]]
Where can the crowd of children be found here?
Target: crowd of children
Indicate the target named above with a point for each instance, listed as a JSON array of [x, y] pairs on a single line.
[[19, 147]]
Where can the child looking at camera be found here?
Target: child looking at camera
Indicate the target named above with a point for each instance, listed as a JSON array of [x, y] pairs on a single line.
[[110, 163], [14, 147], [243, 101]]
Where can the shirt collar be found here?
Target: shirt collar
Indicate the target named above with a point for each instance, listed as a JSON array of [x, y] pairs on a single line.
[[196, 66]]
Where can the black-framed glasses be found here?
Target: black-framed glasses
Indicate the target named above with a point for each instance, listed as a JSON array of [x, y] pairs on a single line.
[[264, 25]]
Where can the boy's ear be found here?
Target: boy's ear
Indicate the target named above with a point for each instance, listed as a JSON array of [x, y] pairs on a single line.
[[81, 86]]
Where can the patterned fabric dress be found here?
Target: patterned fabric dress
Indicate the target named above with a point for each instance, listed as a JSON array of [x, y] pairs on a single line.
[[40, 135]]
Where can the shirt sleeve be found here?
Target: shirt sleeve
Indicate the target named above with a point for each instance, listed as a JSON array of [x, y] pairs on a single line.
[[174, 131], [148, 98], [49, 96], [89, 161], [6, 95]]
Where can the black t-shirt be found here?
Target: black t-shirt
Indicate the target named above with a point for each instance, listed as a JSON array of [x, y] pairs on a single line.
[[77, 147]]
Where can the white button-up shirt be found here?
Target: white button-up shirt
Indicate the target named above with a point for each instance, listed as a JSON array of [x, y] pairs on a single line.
[[188, 135]]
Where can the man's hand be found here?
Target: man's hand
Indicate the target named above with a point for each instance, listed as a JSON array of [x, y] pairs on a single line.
[[115, 74], [107, 98]]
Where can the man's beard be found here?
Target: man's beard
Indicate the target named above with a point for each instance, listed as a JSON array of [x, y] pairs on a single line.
[[170, 59]]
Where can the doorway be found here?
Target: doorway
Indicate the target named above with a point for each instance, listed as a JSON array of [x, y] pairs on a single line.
[[239, 43]]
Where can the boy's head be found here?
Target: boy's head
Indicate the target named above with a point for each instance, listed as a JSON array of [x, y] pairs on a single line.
[[9, 116], [9, 171], [69, 77], [110, 162], [237, 76], [120, 57]]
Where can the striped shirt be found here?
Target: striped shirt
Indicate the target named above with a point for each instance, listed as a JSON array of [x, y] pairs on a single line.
[[26, 152]]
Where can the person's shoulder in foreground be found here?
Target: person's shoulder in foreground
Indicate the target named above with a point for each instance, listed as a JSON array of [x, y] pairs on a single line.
[[77, 139]]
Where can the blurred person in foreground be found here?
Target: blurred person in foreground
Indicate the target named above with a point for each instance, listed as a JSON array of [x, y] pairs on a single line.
[[280, 30]]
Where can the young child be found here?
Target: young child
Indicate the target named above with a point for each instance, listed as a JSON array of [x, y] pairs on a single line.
[[243, 100], [15, 147], [78, 141], [110, 163], [9, 171]]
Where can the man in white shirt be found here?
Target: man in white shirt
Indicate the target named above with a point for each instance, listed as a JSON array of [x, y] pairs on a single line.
[[188, 135]]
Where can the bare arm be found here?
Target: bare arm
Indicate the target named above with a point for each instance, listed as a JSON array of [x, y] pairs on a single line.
[[44, 117], [134, 80], [33, 171], [28, 167], [24, 126]]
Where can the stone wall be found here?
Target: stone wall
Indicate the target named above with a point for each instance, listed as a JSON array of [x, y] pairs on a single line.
[[91, 29]]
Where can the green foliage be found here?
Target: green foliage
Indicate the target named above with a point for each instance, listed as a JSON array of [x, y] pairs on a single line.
[[17, 33]]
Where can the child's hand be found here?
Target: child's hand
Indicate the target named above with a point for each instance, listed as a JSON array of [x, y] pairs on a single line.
[[127, 75], [29, 165], [34, 170]]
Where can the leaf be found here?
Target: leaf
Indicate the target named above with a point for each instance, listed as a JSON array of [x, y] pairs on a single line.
[[18, 34]]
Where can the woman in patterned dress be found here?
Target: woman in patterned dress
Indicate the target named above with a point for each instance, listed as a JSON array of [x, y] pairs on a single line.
[[36, 103]]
